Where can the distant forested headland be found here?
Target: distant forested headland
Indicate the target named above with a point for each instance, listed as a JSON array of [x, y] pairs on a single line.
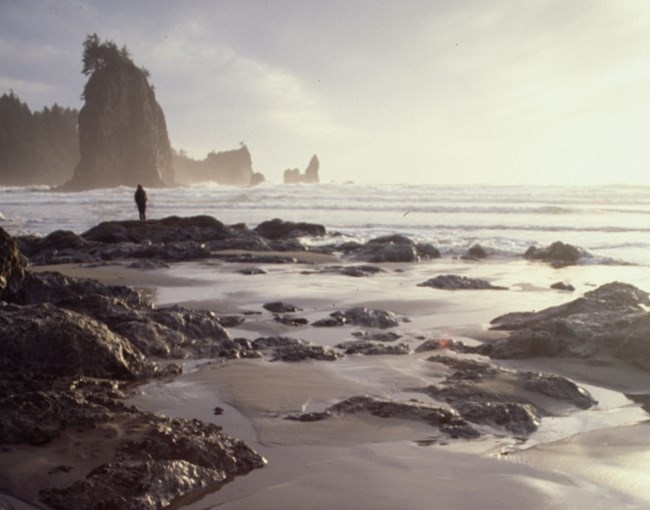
[[40, 147]]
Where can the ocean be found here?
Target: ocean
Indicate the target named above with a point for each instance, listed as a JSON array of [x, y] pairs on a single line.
[[611, 222]]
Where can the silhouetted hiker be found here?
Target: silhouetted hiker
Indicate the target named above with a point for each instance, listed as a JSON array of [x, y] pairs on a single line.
[[141, 201]]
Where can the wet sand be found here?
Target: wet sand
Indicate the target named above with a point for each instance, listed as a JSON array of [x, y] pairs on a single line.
[[592, 459]]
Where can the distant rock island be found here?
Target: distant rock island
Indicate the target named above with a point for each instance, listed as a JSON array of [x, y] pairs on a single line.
[[119, 138], [122, 131], [293, 176], [233, 168]]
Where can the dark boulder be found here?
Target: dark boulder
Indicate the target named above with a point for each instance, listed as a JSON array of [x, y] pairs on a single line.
[[12, 266], [292, 349], [457, 282], [393, 248], [475, 252], [279, 229], [167, 230], [53, 287], [377, 337], [360, 316], [280, 307], [557, 254], [51, 340], [563, 286], [156, 461]]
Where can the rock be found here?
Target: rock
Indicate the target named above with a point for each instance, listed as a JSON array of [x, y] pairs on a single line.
[[508, 400], [446, 420], [123, 137], [293, 176], [599, 323], [280, 307], [355, 271], [466, 369], [475, 252], [377, 337], [289, 320], [292, 349], [250, 271], [305, 352], [457, 282], [12, 266], [156, 461], [173, 332], [172, 229], [519, 419], [60, 244], [558, 388], [372, 348], [563, 286], [557, 254], [443, 343], [53, 287], [54, 341], [231, 168], [360, 316], [279, 229], [635, 345], [393, 248]]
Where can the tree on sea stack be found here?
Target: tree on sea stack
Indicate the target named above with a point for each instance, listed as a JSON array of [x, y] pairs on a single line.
[[123, 136]]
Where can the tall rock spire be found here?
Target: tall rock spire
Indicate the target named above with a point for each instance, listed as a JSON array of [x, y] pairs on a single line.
[[123, 136]]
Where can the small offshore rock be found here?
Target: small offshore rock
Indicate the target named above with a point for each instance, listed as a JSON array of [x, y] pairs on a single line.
[[557, 254], [457, 282], [280, 307], [279, 229], [563, 286], [475, 252]]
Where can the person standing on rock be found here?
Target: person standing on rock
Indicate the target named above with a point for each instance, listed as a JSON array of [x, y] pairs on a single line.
[[141, 201]]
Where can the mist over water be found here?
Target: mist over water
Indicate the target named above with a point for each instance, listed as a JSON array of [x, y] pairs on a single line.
[[611, 222]]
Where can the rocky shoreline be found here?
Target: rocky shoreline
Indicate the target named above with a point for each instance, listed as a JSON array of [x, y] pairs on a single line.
[[72, 348]]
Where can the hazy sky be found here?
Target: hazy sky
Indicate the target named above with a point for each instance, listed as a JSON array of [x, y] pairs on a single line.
[[439, 91]]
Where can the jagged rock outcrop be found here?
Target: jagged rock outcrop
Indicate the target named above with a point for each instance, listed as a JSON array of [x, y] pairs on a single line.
[[611, 320], [56, 333], [123, 136], [234, 168], [293, 176]]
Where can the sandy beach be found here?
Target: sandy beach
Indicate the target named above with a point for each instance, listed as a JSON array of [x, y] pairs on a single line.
[[595, 458]]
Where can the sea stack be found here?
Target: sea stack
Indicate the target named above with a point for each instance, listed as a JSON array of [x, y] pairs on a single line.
[[123, 136], [233, 167], [293, 176]]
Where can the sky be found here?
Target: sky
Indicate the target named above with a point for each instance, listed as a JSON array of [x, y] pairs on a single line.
[[491, 92]]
